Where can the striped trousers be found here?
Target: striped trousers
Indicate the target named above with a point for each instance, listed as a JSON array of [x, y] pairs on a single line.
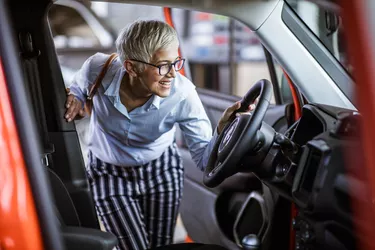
[[138, 204]]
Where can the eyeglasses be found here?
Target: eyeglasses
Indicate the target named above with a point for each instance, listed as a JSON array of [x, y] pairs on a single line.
[[164, 69]]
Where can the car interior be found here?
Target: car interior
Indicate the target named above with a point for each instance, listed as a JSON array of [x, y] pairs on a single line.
[[274, 175]]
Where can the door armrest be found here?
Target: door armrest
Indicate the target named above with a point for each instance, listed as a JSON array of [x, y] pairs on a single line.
[[88, 238]]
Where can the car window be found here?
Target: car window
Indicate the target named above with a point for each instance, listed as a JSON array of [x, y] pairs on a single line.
[[327, 27], [224, 55]]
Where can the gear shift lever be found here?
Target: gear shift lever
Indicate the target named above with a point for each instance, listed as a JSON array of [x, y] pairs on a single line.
[[251, 242]]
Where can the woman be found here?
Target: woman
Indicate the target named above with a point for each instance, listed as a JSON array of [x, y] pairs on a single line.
[[134, 166]]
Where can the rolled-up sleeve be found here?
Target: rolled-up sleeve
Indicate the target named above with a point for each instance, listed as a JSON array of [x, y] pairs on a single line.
[[196, 128]]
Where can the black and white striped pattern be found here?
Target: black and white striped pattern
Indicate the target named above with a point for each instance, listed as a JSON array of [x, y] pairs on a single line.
[[139, 204]]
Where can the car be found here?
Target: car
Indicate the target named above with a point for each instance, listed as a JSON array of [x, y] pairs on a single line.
[[289, 175]]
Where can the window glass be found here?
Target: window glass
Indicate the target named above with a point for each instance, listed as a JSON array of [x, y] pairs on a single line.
[[224, 54], [327, 26]]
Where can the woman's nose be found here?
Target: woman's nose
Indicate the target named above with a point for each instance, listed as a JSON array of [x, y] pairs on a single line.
[[172, 73]]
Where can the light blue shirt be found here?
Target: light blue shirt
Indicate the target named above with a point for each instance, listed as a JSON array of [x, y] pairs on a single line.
[[129, 139]]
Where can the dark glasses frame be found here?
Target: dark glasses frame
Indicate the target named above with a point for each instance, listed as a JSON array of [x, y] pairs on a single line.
[[170, 65]]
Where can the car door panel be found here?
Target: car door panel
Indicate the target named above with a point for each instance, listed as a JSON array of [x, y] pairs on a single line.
[[209, 214]]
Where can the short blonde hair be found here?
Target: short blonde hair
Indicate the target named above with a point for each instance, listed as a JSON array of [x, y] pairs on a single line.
[[141, 39]]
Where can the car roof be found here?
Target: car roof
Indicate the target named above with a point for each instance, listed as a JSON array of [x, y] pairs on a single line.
[[251, 12]]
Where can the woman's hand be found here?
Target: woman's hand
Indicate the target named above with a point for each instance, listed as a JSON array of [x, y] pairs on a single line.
[[73, 108], [228, 115]]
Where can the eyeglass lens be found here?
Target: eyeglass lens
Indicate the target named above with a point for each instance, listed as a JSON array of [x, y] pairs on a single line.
[[165, 69]]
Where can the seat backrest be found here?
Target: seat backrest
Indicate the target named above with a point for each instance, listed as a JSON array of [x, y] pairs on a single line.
[[75, 236], [63, 203]]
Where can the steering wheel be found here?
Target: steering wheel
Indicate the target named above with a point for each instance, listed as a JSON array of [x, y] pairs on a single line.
[[238, 137]]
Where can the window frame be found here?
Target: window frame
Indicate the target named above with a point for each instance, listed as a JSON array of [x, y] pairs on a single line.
[[318, 51]]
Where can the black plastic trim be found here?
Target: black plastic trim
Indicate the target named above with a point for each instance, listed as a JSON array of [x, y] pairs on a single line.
[[26, 127], [265, 218], [274, 80], [328, 62]]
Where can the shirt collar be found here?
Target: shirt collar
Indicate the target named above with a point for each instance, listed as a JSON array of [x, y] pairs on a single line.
[[156, 101], [114, 88]]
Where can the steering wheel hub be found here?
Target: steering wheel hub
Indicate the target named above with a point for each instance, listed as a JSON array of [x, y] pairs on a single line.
[[228, 134]]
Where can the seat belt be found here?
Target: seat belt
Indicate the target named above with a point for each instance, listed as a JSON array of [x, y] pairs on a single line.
[[29, 56]]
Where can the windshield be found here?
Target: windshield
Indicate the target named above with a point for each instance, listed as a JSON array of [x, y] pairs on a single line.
[[327, 27]]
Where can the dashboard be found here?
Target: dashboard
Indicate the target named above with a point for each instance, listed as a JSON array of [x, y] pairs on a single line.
[[316, 178]]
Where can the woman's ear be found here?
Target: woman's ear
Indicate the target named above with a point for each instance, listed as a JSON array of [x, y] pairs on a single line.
[[130, 68]]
